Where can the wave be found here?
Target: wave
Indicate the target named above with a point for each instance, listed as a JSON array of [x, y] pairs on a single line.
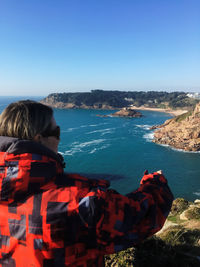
[[82, 126], [87, 147], [149, 136], [99, 148], [179, 149], [70, 130], [197, 194], [102, 131], [145, 126], [89, 143], [94, 125]]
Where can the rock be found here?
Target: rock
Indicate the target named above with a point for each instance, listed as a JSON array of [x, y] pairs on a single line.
[[168, 224], [183, 216], [127, 112], [178, 206], [154, 127], [197, 201], [193, 212], [181, 132]]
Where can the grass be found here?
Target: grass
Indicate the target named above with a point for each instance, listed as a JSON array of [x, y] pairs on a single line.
[[183, 116], [155, 252], [174, 219]]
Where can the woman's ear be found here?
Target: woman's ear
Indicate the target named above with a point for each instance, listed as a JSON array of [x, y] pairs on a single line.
[[37, 138]]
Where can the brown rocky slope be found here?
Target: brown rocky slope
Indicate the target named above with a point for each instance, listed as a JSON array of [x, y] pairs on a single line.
[[182, 132]]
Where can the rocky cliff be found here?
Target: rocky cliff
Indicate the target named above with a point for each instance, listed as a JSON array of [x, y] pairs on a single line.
[[182, 132]]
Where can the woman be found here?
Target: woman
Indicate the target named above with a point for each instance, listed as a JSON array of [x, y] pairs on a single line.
[[50, 218]]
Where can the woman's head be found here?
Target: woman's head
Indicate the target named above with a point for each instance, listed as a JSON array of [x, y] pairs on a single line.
[[29, 120]]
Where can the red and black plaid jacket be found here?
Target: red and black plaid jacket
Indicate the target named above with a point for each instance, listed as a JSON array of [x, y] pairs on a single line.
[[49, 218]]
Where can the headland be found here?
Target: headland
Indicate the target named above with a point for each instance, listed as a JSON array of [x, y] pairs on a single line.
[[181, 132]]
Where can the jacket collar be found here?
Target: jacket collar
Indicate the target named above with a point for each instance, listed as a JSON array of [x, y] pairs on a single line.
[[17, 146]]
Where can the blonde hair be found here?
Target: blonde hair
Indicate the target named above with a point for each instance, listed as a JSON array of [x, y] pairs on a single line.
[[25, 119]]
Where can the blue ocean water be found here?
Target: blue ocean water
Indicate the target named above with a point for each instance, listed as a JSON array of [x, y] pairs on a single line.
[[120, 149]]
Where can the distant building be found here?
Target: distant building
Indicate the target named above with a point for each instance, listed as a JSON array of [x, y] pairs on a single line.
[[194, 95], [129, 99]]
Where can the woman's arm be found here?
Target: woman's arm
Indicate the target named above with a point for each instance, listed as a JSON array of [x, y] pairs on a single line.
[[124, 221]]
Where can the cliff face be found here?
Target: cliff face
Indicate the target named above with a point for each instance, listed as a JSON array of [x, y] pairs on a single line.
[[182, 132]]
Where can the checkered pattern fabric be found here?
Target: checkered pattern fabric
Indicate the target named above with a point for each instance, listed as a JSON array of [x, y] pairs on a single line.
[[49, 218]]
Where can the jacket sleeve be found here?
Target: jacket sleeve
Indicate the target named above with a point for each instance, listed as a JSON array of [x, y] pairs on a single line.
[[124, 221]]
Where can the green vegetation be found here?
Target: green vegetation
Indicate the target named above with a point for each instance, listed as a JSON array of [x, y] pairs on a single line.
[[119, 99], [183, 116], [121, 259], [179, 205], [179, 248], [182, 102], [174, 219]]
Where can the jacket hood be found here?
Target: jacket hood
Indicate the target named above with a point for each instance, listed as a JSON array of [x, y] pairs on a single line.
[[26, 167], [18, 146]]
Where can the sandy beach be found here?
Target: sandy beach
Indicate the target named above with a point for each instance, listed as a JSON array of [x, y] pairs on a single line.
[[176, 112]]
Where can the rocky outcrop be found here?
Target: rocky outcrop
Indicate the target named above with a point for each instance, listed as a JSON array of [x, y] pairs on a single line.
[[127, 112], [182, 132]]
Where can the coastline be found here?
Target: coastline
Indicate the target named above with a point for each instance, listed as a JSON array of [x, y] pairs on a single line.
[[61, 105], [165, 110]]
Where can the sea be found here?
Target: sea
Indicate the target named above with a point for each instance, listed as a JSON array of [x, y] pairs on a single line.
[[121, 149]]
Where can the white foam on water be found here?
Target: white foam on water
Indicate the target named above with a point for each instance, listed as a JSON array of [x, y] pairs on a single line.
[[77, 147], [145, 126], [82, 126], [89, 143], [197, 194], [99, 148], [102, 131], [149, 136], [107, 132], [93, 151], [179, 149], [72, 151], [93, 125], [184, 151], [69, 130], [74, 143]]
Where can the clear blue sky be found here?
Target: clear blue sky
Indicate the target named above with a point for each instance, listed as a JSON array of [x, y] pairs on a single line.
[[77, 45]]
